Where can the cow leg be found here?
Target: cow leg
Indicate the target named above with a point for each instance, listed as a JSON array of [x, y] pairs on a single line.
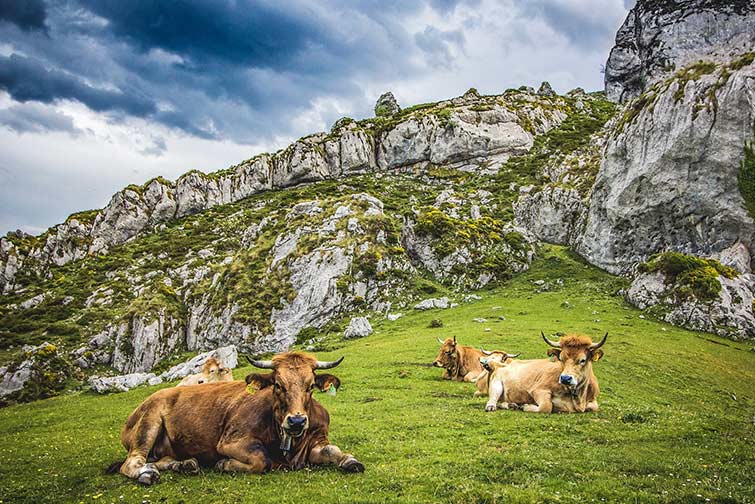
[[543, 401], [243, 456], [331, 454], [142, 439], [188, 466], [495, 391]]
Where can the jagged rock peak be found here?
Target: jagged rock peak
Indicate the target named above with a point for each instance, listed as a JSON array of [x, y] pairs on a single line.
[[387, 105], [545, 89], [661, 36]]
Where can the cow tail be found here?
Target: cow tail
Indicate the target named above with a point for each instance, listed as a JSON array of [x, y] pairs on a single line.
[[115, 467]]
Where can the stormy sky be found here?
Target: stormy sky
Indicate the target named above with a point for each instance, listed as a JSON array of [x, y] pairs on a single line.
[[97, 94]]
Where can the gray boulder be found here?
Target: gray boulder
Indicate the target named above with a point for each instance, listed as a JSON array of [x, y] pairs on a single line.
[[359, 327], [122, 383], [429, 304]]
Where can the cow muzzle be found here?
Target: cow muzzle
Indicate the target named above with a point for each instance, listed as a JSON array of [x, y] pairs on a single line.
[[437, 364], [295, 425], [568, 380]]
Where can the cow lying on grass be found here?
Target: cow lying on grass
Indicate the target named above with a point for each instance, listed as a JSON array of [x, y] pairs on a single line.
[[270, 421], [488, 360], [212, 371], [459, 362], [566, 385]]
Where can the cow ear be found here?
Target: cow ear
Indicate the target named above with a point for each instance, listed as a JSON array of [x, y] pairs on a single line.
[[554, 352], [597, 354], [325, 380], [259, 381]]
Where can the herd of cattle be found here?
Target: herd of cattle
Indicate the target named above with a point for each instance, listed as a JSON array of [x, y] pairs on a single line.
[[270, 420]]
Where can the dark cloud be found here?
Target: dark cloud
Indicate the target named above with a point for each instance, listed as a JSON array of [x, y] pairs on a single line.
[[36, 118], [240, 70], [27, 79], [26, 14]]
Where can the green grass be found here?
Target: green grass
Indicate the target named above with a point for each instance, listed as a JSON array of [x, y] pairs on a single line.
[[676, 418]]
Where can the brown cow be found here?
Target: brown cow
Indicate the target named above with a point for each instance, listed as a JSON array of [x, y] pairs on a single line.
[[566, 385], [271, 421], [488, 360], [212, 371], [459, 362]]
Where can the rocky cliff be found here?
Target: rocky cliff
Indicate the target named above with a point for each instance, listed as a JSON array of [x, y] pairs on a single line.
[[659, 37]]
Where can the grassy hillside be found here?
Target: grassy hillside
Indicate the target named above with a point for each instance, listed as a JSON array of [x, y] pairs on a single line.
[[675, 425]]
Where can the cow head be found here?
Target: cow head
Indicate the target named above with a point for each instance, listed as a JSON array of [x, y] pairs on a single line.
[[211, 369], [447, 354], [496, 358], [576, 354], [293, 380]]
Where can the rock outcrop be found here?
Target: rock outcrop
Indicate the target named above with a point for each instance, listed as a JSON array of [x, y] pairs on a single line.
[[386, 105], [660, 37], [673, 157], [730, 314], [473, 133], [38, 373]]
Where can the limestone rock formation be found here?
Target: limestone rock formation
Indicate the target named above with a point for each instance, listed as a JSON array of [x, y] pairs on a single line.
[[730, 314], [386, 105], [660, 37], [473, 133], [669, 176], [38, 373]]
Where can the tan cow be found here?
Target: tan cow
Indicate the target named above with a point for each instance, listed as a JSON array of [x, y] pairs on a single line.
[[488, 360], [270, 421], [459, 362], [212, 371], [565, 385]]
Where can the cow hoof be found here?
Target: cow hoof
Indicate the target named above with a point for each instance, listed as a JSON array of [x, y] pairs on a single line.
[[148, 475], [352, 465], [220, 466], [490, 407], [189, 466]]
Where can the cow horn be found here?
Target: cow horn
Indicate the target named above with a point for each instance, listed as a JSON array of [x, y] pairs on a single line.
[[513, 356], [440, 340], [599, 344], [262, 364], [328, 364], [485, 351], [554, 344], [454, 340]]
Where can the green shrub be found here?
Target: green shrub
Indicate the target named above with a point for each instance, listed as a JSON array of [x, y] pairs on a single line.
[[692, 276]]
